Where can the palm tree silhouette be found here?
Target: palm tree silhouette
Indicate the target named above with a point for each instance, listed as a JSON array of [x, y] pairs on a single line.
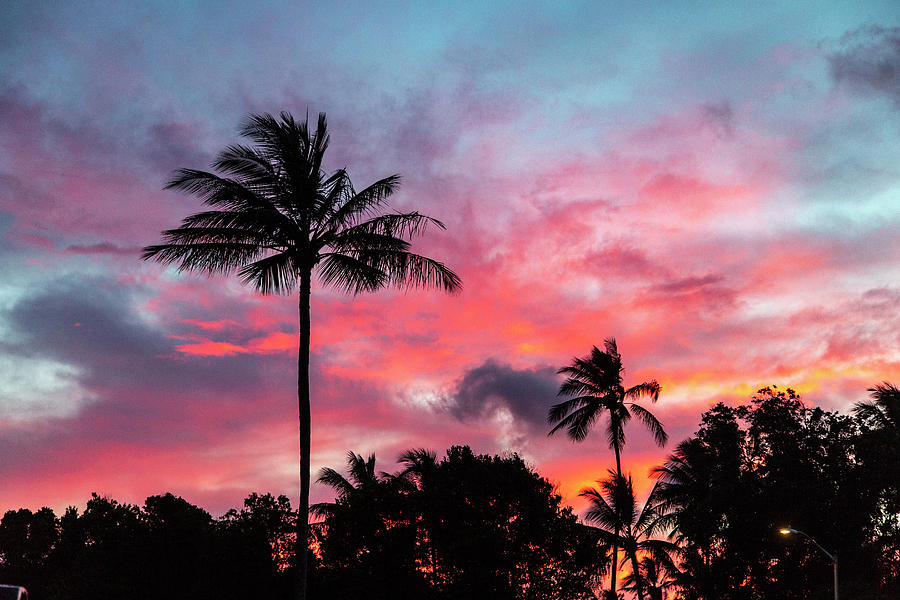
[[595, 381], [622, 523], [656, 579], [361, 473], [277, 220], [420, 467], [688, 496], [883, 411]]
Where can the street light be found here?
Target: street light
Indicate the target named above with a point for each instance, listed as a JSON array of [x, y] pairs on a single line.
[[833, 557]]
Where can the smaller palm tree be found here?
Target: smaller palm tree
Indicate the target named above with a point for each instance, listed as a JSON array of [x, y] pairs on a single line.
[[361, 476], [655, 576], [883, 411], [420, 467], [623, 523], [595, 381]]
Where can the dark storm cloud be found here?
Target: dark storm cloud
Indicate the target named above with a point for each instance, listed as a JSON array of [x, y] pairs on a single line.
[[869, 61], [141, 387], [527, 393]]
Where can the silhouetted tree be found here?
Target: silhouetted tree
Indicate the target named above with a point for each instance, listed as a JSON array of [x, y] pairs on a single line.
[[696, 488], [595, 382], [368, 546], [880, 419], [614, 509], [420, 470], [26, 539], [256, 548], [488, 526], [755, 468], [278, 219]]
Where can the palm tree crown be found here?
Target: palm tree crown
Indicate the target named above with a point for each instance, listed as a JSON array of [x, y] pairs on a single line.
[[595, 381], [883, 411], [624, 523], [279, 216], [277, 220]]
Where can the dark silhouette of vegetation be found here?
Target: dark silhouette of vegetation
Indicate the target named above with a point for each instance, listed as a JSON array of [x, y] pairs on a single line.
[[278, 219], [469, 526], [614, 509], [595, 384], [753, 469], [168, 548], [473, 526]]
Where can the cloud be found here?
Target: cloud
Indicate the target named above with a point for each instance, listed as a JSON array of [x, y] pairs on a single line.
[[687, 284], [868, 61], [525, 393], [103, 248]]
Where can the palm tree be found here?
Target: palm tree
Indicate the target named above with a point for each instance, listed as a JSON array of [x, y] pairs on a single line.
[[655, 576], [595, 381], [419, 471], [688, 506], [277, 220], [883, 411], [622, 523], [361, 473]]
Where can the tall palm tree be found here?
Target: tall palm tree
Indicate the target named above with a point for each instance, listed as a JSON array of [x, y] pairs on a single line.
[[595, 381], [621, 522], [278, 219]]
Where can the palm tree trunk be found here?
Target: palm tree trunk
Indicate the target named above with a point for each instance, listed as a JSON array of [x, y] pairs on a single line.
[[639, 584], [615, 563], [302, 548]]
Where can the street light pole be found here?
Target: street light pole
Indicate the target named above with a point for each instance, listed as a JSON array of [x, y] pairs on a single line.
[[833, 557]]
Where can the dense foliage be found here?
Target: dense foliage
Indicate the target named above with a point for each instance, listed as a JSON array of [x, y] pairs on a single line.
[[753, 469], [472, 525], [466, 526], [166, 549], [456, 528]]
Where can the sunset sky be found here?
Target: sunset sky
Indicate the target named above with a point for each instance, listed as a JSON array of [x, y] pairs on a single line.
[[714, 185]]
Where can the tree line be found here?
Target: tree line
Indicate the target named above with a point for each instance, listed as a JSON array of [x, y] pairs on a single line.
[[469, 525]]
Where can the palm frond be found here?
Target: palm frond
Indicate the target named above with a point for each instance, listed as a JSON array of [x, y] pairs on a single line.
[[361, 470], [651, 422], [273, 274], [559, 411], [362, 203], [615, 427], [398, 225], [349, 274], [578, 423], [207, 257], [649, 389], [218, 191], [335, 481], [408, 270], [323, 510], [249, 166]]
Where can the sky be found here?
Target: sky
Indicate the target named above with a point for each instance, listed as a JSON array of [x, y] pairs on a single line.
[[714, 184]]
